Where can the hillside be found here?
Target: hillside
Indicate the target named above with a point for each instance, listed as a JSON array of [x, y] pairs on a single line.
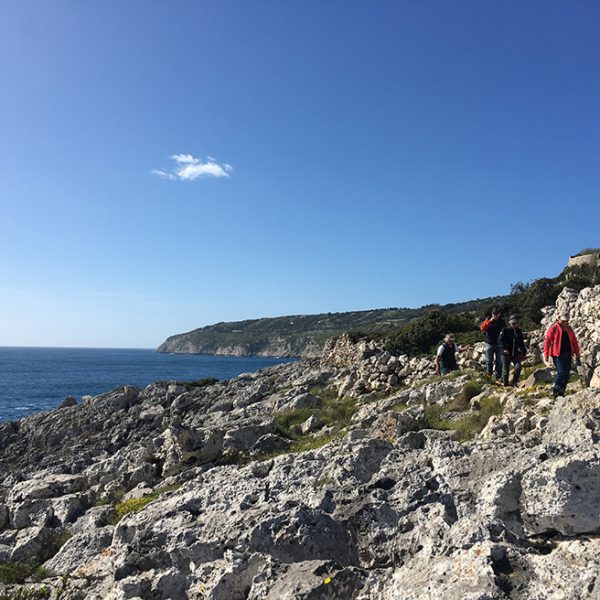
[[406, 328], [300, 335]]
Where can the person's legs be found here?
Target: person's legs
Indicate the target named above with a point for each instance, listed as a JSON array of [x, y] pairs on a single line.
[[517, 372], [505, 369], [498, 366], [563, 372], [565, 362], [490, 352]]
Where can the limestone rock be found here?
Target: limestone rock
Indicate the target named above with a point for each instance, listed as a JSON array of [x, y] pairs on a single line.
[[311, 424], [537, 377], [68, 401], [563, 495], [269, 443]]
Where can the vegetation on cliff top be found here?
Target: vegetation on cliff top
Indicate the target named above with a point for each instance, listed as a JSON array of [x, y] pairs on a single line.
[[410, 331], [422, 334]]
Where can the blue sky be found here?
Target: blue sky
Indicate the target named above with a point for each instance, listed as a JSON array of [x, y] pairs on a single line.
[[330, 156]]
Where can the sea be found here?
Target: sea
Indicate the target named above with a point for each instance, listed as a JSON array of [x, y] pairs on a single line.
[[39, 379]]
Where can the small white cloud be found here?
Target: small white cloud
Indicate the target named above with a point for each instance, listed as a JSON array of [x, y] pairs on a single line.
[[189, 168], [184, 158], [163, 174]]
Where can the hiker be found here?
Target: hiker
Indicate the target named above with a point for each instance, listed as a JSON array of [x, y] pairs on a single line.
[[512, 349], [445, 357], [492, 326], [561, 345]]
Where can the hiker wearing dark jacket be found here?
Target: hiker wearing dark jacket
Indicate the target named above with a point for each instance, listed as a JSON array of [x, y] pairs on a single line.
[[512, 348], [492, 326], [561, 345], [445, 357]]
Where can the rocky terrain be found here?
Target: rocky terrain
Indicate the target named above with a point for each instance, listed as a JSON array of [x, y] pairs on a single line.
[[358, 475]]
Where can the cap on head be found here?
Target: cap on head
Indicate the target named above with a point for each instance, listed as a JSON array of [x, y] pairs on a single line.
[[449, 337], [513, 319]]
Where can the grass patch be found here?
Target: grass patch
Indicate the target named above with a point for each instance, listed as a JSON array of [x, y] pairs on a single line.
[[399, 406], [135, 505], [41, 593], [529, 370], [17, 572], [311, 443], [463, 399], [337, 411], [467, 426], [332, 411], [374, 396], [289, 420]]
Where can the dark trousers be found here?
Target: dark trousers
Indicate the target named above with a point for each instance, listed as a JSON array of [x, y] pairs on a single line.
[[506, 361], [563, 371], [493, 354]]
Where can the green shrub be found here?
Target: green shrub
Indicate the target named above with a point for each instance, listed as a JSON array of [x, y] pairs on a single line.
[[17, 572], [289, 420], [468, 426], [422, 334], [337, 411], [588, 251], [469, 390], [31, 593], [399, 406], [331, 410], [311, 443]]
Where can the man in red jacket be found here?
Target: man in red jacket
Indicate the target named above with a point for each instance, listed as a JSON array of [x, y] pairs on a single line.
[[492, 326], [561, 344]]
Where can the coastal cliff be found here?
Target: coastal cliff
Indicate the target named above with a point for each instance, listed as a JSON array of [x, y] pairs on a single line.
[[359, 475], [296, 335]]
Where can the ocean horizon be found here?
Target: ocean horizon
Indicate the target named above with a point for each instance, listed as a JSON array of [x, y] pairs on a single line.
[[39, 378]]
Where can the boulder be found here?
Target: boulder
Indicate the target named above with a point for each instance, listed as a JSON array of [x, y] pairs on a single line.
[[68, 401], [562, 495], [538, 377], [242, 439], [311, 424], [47, 485], [270, 443], [304, 400]]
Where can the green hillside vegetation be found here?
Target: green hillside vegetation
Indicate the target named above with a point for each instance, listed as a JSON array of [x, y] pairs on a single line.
[[588, 251], [297, 333], [411, 331], [422, 334]]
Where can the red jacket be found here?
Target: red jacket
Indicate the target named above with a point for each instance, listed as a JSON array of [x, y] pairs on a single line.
[[554, 338]]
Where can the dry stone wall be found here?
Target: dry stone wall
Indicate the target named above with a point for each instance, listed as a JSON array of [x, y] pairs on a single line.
[[365, 366]]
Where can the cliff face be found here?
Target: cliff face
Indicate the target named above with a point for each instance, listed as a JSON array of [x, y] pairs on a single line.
[[192, 343], [273, 485], [297, 335]]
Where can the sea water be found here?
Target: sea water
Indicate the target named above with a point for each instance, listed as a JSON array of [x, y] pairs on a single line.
[[39, 379]]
